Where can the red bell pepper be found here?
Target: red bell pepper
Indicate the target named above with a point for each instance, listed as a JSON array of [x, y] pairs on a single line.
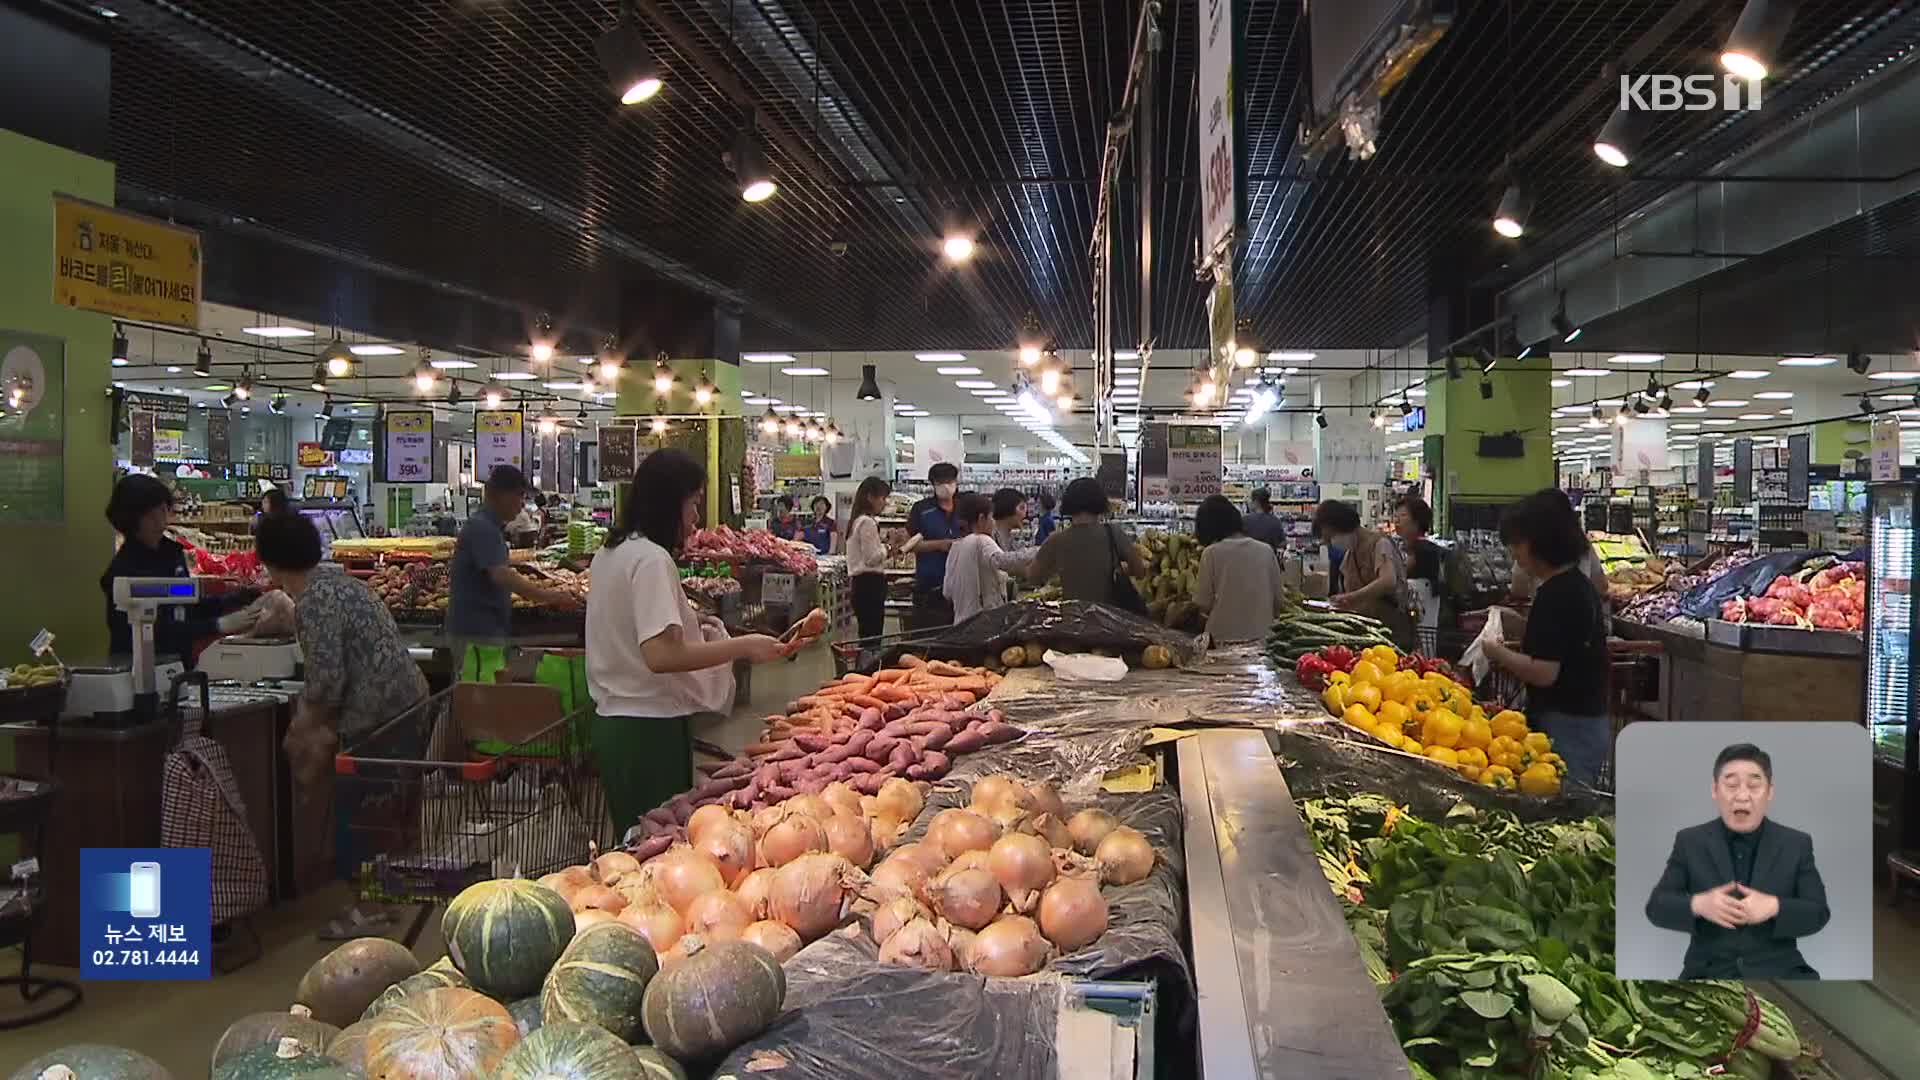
[[1341, 657]]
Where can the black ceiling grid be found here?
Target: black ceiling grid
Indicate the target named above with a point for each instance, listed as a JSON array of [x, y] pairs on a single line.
[[957, 97]]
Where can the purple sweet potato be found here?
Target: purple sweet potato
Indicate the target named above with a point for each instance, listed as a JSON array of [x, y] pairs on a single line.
[[861, 765], [858, 741], [713, 789], [997, 732], [880, 747], [662, 815], [787, 752], [812, 783], [899, 729], [931, 767], [731, 769], [867, 783], [940, 736], [743, 799], [919, 744], [833, 754], [897, 710], [872, 719], [776, 793], [682, 807], [651, 846], [966, 742], [812, 743], [903, 756]]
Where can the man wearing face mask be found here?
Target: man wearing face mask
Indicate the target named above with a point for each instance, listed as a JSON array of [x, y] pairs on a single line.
[[933, 527], [1744, 888]]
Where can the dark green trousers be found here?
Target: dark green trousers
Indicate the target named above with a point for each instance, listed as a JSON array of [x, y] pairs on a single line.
[[643, 762]]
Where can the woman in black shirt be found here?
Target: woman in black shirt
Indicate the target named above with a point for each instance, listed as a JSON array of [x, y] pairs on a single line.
[[1563, 656], [141, 509]]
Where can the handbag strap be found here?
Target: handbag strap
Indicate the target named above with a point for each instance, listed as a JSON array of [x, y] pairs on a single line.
[[1113, 548]]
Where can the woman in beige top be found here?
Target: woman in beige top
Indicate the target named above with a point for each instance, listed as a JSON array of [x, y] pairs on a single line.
[[1238, 585], [1376, 583]]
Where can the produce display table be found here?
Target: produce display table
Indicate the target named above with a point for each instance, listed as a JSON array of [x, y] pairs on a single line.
[[1740, 671]]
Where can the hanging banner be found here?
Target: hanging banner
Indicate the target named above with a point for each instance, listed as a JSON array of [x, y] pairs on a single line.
[[499, 438], [124, 264], [1886, 449], [310, 455], [1352, 450], [1218, 184], [409, 446], [1152, 462], [32, 428], [140, 434], [796, 466], [1193, 461], [616, 452], [219, 438]]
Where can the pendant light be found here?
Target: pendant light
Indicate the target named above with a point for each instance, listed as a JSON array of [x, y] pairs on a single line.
[[612, 361], [277, 404], [794, 430], [1031, 341], [704, 390], [120, 350], [869, 385], [1510, 218], [749, 162], [1619, 138], [423, 374], [549, 423], [657, 425], [1756, 38], [203, 359], [326, 409], [243, 387], [453, 391], [337, 358], [832, 434], [540, 342], [662, 375], [319, 377]]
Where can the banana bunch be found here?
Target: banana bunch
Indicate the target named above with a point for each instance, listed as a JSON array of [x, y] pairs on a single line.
[[1173, 562], [26, 676]]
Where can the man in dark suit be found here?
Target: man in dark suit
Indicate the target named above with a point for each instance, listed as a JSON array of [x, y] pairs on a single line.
[[1744, 887]]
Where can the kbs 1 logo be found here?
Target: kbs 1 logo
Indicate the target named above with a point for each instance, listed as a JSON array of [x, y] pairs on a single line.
[[1688, 93]]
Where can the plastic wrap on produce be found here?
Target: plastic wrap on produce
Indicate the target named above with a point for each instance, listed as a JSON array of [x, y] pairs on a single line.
[[1333, 759], [1749, 579], [848, 1015], [1056, 623], [1232, 686]]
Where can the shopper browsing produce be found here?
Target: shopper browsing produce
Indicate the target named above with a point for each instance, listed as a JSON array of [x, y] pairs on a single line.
[[1239, 582], [481, 581], [1372, 580], [974, 581], [867, 556], [821, 531], [1048, 520], [140, 509], [1563, 655], [1263, 524], [652, 661], [934, 527], [1091, 553]]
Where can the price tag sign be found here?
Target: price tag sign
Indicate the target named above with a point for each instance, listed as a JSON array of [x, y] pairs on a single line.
[[1885, 449], [776, 589], [499, 438], [42, 642], [409, 446]]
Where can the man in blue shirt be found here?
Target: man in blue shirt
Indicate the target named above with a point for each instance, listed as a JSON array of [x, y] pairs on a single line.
[[934, 525], [481, 581], [1049, 520]]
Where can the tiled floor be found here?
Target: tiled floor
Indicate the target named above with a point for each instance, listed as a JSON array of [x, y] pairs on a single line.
[[178, 1023]]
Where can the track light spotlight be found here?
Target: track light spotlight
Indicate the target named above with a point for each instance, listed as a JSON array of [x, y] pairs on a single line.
[[750, 168], [319, 377], [1486, 389], [1666, 402], [1701, 395], [1406, 406], [662, 375], [453, 391], [703, 391], [1640, 406], [1453, 367], [1562, 325], [423, 377], [1510, 218], [1486, 358], [1618, 138], [226, 401], [631, 68], [338, 358], [1756, 38], [1320, 418], [1623, 417], [493, 399], [243, 387], [326, 409], [120, 350]]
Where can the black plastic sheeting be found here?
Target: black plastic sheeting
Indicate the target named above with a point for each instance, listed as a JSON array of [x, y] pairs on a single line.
[[848, 1015], [1058, 624], [1332, 759], [1749, 579]]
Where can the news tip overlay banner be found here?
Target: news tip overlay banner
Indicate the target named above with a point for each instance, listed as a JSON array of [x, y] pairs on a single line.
[[146, 914]]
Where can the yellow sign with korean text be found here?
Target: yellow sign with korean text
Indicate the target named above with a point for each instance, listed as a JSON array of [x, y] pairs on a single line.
[[410, 422], [124, 264]]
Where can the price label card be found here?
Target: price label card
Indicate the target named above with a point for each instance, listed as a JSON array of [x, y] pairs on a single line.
[[776, 589], [409, 446]]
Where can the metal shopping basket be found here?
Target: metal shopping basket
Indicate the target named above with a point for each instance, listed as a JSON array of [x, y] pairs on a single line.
[[419, 831]]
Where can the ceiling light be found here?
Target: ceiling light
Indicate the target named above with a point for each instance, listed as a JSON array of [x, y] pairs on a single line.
[[793, 428], [1748, 373], [540, 341], [326, 409], [564, 384], [276, 331], [940, 357], [453, 393], [1510, 218], [989, 394], [1756, 416], [1756, 37], [1719, 422], [1588, 372], [1636, 358], [657, 425], [957, 248], [962, 370], [1050, 381], [452, 363], [319, 377], [1485, 357], [226, 402], [1892, 376], [1128, 381], [1774, 395], [663, 377], [514, 376], [1618, 138], [243, 389], [277, 404], [770, 422], [750, 168], [704, 390], [493, 398], [1666, 403], [974, 384], [173, 369], [631, 69], [1595, 418], [1808, 361], [119, 357], [1700, 396], [1730, 403], [1640, 406], [804, 372], [203, 359], [1623, 417], [375, 350], [1685, 427], [1559, 384]]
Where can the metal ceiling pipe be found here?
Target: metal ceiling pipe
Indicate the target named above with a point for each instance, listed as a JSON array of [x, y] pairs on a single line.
[[1869, 131]]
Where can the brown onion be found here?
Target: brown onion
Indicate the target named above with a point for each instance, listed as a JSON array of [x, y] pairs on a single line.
[[843, 799], [992, 792], [1022, 863], [656, 921], [1073, 913], [896, 876], [592, 917], [893, 914], [955, 831], [924, 855], [967, 898], [569, 881], [794, 835], [1011, 946], [918, 944], [961, 941], [766, 818], [728, 844], [851, 839], [813, 893], [1124, 856], [899, 799], [754, 887], [683, 875], [1089, 827], [612, 865], [814, 806], [705, 816], [599, 896], [968, 860], [718, 916], [1049, 828], [776, 937], [639, 889], [1045, 800], [886, 831]]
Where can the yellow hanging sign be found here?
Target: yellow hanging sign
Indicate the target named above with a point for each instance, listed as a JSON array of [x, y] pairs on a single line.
[[124, 264]]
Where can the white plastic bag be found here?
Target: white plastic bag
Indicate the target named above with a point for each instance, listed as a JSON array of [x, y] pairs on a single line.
[[1475, 658], [1085, 667]]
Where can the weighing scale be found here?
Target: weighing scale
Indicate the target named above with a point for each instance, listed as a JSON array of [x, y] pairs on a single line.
[[248, 660], [126, 696]]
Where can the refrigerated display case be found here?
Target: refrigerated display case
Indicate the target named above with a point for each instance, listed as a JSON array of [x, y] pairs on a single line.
[[1892, 719]]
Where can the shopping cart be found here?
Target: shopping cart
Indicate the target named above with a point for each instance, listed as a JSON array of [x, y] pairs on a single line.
[[419, 831]]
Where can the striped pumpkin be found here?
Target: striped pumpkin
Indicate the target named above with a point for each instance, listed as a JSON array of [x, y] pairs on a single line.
[[528, 1014], [349, 1048], [658, 1066], [445, 1034], [434, 978], [287, 1058], [601, 979], [566, 1050], [717, 998], [504, 935]]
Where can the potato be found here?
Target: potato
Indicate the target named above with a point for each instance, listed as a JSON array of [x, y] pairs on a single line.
[[1013, 656]]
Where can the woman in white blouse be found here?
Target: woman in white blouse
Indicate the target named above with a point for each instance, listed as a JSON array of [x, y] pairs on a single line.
[[652, 662], [867, 556]]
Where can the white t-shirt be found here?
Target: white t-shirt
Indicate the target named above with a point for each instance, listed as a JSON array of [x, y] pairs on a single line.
[[635, 595]]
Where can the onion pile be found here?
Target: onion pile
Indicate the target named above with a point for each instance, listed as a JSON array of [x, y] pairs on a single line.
[[1012, 946], [918, 944], [813, 893], [1089, 827], [1124, 856], [793, 835]]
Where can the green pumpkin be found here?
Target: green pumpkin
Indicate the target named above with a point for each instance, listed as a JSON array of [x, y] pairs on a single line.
[[717, 998], [287, 1058], [95, 1061], [505, 935], [658, 1066], [601, 979], [434, 978], [340, 985], [267, 1029], [567, 1050], [449, 1034], [349, 1048], [528, 1014]]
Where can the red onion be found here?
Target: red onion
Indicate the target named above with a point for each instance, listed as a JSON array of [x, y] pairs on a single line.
[[851, 839], [792, 836], [754, 887], [967, 898], [812, 894], [955, 831], [683, 875], [1073, 913], [918, 944], [1010, 946], [728, 844], [718, 916], [776, 937], [1124, 856], [1089, 827], [1022, 862], [893, 914], [656, 921]]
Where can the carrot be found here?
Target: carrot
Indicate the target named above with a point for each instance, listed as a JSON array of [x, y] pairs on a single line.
[[908, 660], [941, 667], [972, 684], [866, 701], [890, 675]]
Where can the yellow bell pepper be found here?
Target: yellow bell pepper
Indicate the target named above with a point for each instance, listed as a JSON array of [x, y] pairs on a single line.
[[1443, 755], [1442, 728], [1366, 694], [1537, 742], [1540, 780], [1498, 776], [1509, 723], [1358, 716], [1475, 733], [1366, 671], [1335, 697], [1472, 757]]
